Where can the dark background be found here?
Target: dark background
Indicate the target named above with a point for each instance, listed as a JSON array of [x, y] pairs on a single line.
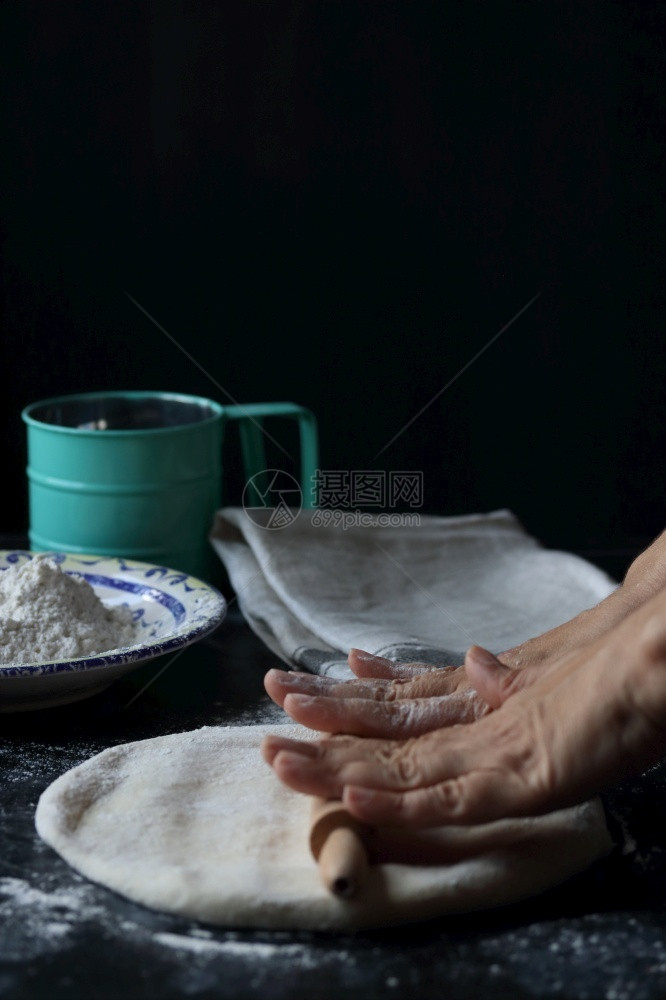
[[340, 203]]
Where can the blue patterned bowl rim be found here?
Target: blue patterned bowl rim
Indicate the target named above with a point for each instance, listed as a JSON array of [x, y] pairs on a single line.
[[199, 606]]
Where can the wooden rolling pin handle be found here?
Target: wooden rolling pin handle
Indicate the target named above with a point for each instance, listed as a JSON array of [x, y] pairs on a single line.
[[342, 862], [336, 842]]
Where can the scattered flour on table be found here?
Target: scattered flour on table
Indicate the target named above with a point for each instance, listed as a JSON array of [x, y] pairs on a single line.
[[38, 918], [47, 614], [254, 950]]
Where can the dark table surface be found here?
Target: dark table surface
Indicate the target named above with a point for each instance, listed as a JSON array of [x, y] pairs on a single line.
[[600, 935]]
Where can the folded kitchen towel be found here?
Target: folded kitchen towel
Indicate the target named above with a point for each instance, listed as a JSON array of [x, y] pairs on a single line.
[[422, 592]]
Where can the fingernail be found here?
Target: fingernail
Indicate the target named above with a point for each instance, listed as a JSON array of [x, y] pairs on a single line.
[[291, 761], [355, 795], [362, 654], [304, 700], [481, 655], [281, 676], [279, 744]]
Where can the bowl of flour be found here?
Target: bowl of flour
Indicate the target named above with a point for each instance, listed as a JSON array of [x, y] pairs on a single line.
[[70, 625]]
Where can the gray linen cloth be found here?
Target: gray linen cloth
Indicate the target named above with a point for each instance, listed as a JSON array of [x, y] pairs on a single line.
[[418, 593]]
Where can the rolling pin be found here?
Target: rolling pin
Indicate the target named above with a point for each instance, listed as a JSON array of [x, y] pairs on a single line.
[[337, 845]]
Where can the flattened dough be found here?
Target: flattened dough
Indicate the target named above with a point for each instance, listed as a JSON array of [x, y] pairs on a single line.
[[197, 824]]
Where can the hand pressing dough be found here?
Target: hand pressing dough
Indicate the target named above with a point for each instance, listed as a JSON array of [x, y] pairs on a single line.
[[197, 824]]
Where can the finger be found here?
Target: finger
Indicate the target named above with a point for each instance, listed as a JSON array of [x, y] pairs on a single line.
[[279, 683], [325, 766], [272, 744], [332, 751], [428, 684], [479, 796], [423, 679], [303, 775], [368, 665], [394, 765], [488, 675], [494, 681], [398, 719]]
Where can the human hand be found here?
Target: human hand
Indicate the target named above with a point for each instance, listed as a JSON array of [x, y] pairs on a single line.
[[401, 700], [387, 699], [558, 735]]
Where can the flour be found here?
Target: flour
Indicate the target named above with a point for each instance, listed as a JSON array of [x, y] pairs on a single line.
[[292, 954], [47, 614], [42, 918]]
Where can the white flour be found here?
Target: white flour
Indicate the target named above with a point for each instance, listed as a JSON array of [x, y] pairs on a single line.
[[46, 614]]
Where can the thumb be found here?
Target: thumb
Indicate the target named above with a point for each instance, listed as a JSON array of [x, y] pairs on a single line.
[[491, 678]]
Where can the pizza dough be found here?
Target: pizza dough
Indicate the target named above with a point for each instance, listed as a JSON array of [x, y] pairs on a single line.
[[197, 824]]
